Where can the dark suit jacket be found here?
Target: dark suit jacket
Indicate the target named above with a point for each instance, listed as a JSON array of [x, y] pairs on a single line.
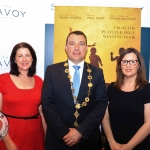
[[58, 107]]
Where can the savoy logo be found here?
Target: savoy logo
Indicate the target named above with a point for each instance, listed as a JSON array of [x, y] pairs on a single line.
[[9, 12], [4, 63]]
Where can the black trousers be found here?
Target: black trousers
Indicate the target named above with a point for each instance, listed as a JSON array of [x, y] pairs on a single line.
[[94, 143]]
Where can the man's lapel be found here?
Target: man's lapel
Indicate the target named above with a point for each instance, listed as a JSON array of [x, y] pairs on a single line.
[[66, 82]]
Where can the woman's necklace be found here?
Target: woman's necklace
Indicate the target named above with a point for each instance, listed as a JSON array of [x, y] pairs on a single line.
[[87, 99], [26, 84], [25, 81]]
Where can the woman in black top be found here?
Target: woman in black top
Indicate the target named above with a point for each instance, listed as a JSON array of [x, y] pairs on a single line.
[[127, 119]]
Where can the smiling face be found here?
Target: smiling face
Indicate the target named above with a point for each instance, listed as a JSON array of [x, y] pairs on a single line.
[[23, 59], [76, 48], [130, 70]]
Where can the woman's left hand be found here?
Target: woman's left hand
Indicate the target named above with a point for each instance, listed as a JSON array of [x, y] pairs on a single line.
[[124, 147]]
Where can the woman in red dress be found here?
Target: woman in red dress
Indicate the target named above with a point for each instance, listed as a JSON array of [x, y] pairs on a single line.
[[20, 92]]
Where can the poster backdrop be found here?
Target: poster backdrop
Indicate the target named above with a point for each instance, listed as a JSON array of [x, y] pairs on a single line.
[[108, 29], [33, 22]]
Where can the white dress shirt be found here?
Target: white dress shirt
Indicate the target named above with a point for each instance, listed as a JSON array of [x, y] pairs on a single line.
[[72, 70]]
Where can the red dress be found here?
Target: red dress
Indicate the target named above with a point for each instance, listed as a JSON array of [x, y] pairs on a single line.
[[27, 134]]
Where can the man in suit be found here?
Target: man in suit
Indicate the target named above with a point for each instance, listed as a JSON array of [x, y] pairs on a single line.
[[73, 119]]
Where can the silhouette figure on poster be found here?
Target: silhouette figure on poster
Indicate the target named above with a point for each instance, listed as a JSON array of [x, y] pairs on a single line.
[[121, 50], [95, 59], [94, 44]]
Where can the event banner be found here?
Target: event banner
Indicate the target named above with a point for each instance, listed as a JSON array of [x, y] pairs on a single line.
[[109, 31]]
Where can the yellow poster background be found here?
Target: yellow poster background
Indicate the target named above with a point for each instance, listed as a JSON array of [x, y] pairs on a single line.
[[107, 29]]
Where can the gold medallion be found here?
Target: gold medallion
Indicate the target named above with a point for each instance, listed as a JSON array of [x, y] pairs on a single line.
[[67, 70], [90, 84], [87, 99], [84, 103], [76, 114], [89, 77], [69, 76], [89, 70], [66, 64], [75, 124], [77, 106]]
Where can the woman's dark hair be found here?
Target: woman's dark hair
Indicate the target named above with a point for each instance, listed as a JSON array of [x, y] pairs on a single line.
[[13, 66], [141, 73]]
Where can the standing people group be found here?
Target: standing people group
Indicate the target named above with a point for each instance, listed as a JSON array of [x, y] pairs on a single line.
[[75, 102]]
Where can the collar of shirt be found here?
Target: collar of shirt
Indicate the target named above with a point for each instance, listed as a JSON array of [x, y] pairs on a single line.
[[72, 70]]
